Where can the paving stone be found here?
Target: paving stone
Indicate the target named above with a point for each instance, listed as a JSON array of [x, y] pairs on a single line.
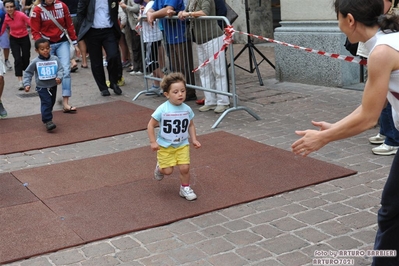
[[288, 224], [314, 216], [294, 258], [101, 261], [96, 250], [253, 253], [283, 244], [242, 238], [132, 254], [125, 242], [215, 246], [66, 257], [310, 234], [227, 259]]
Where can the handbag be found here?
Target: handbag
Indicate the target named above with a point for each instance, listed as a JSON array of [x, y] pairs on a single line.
[[71, 46], [231, 15]]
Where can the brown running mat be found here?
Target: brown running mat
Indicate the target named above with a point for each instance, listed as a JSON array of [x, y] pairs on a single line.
[[91, 122], [113, 194]]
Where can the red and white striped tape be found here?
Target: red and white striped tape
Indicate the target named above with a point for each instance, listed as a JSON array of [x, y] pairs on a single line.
[[229, 31]]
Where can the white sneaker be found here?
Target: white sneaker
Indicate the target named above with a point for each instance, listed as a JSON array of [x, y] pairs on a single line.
[[187, 192], [105, 63], [221, 108], [21, 86], [8, 65], [384, 149], [157, 174], [136, 73], [207, 108], [378, 139]]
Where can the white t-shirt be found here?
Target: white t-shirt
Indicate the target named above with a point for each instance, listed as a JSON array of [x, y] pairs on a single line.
[[151, 34]]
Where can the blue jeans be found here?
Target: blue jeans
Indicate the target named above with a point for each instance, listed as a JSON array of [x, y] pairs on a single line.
[[387, 127], [61, 50], [47, 101]]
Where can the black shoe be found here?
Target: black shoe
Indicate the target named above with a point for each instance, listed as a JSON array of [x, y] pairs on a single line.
[[116, 89], [191, 98], [50, 125], [105, 93]]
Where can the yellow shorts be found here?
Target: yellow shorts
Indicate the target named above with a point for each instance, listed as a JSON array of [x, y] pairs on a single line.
[[169, 157]]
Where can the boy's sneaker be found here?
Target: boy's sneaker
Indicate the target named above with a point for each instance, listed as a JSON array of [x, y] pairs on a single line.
[[187, 192], [154, 90], [157, 174], [8, 64], [378, 139], [3, 112], [384, 149], [50, 125]]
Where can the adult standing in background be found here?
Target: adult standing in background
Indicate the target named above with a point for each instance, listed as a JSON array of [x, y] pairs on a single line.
[[175, 34], [99, 27], [73, 7], [18, 23], [209, 38], [4, 40], [133, 11], [3, 112], [43, 27], [26, 6]]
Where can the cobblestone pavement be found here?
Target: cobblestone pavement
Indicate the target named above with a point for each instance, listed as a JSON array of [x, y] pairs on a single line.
[[286, 229]]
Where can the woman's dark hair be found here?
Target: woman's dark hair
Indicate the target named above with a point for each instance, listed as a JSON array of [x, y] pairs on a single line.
[[9, 1], [40, 41], [170, 79], [369, 13]]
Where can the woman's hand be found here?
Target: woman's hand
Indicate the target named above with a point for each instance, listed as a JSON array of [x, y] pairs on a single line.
[[312, 140]]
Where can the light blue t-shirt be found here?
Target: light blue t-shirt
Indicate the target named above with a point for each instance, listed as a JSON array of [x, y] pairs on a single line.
[[174, 121]]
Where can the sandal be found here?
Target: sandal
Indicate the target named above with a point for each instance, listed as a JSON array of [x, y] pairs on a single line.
[[86, 66], [74, 68], [70, 110]]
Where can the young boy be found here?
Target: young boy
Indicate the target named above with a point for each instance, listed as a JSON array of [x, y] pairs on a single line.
[[175, 120], [48, 73]]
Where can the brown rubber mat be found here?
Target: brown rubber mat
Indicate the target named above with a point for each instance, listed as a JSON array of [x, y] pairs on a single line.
[[109, 195], [91, 122]]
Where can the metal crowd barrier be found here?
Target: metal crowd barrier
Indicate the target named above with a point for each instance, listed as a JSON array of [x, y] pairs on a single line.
[[184, 58]]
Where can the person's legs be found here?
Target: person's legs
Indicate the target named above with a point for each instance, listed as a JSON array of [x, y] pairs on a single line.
[[83, 51], [219, 70], [3, 112], [16, 48], [94, 42], [46, 104], [25, 47], [137, 56], [111, 47], [388, 127], [62, 51], [388, 218], [205, 75]]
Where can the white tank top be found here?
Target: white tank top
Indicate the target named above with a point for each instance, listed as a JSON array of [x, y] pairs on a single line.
[[392, 40]]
